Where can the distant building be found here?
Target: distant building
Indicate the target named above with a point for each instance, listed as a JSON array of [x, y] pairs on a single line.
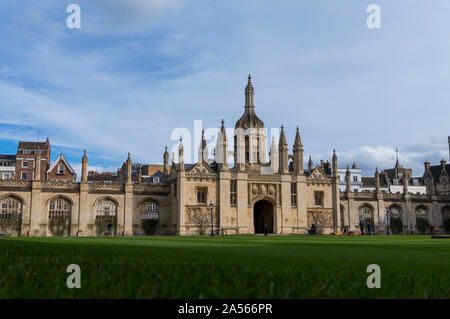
[[355, 178], [436, 178], [7, 166], [61, 170], [25, 159], [247, 196]]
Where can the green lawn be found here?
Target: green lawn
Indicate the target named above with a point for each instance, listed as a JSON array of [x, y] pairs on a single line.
[[226, 267]]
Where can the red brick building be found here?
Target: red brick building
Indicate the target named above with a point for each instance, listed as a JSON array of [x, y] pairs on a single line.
[[61, 170], [26, 158]]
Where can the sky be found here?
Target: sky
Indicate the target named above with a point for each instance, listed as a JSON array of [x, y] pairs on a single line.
[[137, 70]]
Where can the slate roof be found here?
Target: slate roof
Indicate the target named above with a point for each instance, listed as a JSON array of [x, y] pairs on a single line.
[[8, 157], [436, 171], [32, 145]]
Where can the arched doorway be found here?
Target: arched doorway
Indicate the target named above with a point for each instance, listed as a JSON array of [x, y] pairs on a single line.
[[263, 215]]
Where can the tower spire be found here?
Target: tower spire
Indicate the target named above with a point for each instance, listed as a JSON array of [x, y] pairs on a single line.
[[396, 152], [249, 93]]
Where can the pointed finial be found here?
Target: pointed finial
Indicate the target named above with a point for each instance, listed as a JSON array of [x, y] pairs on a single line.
[[249, 77], [282, 140], [165, 151], [203, 140], [84, 152]]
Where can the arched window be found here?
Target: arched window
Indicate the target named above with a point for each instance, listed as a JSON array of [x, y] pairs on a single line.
[[10, 216], [10, 207], [395, 211], [446, 213], [59, 221], [149, 210], [106, 217], [59, 208], [366, 214], [105, 208], [421, 212]]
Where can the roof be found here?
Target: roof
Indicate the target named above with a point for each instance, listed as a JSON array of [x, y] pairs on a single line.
[[8, 157], [106, 176], [249, 119], [152, 169], [32, 145], [58, 159], [370, 182], [436, 171]]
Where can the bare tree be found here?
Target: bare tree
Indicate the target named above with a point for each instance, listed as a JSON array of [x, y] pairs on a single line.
[[201, 217], [321, 219]]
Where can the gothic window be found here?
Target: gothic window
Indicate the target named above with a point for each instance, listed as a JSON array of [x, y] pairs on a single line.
[[105, 208], [446, 213], [366, 214], [149, 210], [201, 195], [59, 208], [355, 178], [10, 206], [233, 193], [395, 211], [421, 212], [60, 169], [294, 194], [318, 198]]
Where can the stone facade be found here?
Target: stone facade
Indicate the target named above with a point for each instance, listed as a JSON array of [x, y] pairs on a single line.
[[249, 196]]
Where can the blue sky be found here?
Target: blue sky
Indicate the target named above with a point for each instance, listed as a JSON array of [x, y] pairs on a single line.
[[138, 69]]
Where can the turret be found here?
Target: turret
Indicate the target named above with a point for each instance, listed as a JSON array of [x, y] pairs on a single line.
[[181, 154], [405, 184], [203, 149], [335, 165], [348, 180], [166, 162], [283, 153], [249, 93], [221, 153], [37, 166], [298, 153], [377, 181], [84, 162], [310, 164], [129, 169], [274, 159]]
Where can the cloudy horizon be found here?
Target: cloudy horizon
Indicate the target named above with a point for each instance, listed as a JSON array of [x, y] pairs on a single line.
[[137, 70]]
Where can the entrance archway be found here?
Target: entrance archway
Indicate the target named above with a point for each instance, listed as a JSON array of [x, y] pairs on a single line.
[[263, 215]]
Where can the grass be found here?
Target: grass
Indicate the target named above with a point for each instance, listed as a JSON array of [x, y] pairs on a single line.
[[226, 267]]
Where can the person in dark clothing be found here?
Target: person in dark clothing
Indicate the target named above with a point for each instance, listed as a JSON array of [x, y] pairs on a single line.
[[361, 227], [265, 229], [369, 229], [109, 226]]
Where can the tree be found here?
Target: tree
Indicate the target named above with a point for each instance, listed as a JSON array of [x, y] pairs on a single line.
[[321, 219], [201, 217]]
